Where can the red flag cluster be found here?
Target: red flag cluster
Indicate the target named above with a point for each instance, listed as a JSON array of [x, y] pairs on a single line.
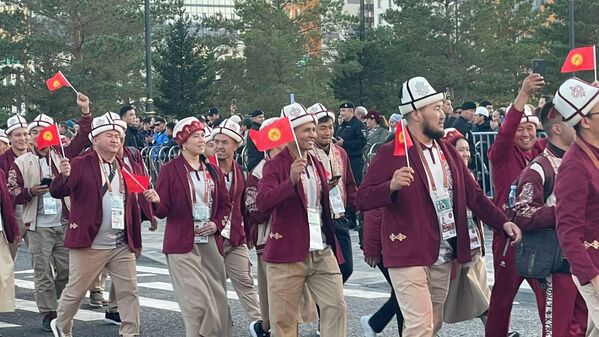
[[276, 134]]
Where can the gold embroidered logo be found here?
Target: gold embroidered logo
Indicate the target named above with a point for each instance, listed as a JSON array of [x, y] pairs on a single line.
[[275, 236], [73, 226], [399, 237], [594, 244]]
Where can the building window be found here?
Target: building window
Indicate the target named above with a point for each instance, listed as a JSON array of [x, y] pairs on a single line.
[[380, 3]]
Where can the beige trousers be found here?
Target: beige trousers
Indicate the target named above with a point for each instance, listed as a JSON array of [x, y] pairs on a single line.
[[14, 247], [7, 277], [421, 293], [308, 312], [286, 281], [591, 298], [199, 282], [239, 270], [85, 265], [50, 260], [98, 286]]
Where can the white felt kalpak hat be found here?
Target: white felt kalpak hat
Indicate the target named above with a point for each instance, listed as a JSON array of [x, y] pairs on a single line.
[[297, 115], [319, 111], [14, 123], [268, 122], [3, 137], [417, 93], [574, 99], [106, 122], [229, 128], [208, 133], [42, 120]]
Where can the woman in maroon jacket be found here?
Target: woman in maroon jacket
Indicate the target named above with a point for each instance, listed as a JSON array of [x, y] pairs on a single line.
[[192, 196], [9, 233]]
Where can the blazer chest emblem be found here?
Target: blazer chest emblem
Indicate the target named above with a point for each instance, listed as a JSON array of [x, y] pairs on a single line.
[[275, 236], [594, 244], [73, 226], [399, 237]]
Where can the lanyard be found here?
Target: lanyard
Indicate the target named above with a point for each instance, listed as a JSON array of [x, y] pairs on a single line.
[[49, 165], [113, 171], [442, 161], [192, 185], [305, 181]]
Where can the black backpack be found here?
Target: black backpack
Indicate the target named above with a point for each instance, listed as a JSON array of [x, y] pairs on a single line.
[[539, 254]]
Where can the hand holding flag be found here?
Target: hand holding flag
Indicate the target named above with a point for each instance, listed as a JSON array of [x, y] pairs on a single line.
[[276, 134]]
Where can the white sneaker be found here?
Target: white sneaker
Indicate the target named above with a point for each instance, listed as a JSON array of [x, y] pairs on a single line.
[[367, 330], [55, 330]]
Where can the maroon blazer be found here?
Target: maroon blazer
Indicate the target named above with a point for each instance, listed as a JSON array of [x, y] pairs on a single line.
[[84, 187], [371, 240], [509, 160], [410, 229], [6, 161], [289, 241], [577, 212], [8, 211], [172, 184]]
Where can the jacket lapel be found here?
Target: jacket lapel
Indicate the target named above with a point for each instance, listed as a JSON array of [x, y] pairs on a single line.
[[182, 175], [95, 163]]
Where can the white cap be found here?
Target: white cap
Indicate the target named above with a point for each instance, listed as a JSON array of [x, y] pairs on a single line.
[[483, 111], [42, 120], [106, 122], [319, 111], [235, 118], [361, 110], [15, 122], [297, 115], [574, 99], [3, 137], [417, 93], [229, 128]]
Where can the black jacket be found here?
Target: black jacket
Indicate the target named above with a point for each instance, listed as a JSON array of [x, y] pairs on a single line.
[[132, 138], [254, 156], [353, 133]]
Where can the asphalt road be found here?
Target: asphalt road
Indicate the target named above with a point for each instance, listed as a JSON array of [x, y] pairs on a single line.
[[365, 292]]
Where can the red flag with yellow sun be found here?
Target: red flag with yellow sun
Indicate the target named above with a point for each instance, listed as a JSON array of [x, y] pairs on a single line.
[[57, 81], [276, 134], [580, 59], [49, 136]]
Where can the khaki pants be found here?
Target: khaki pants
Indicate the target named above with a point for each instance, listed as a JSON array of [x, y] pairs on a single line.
[[239, 270], [14, 247], [286, 281], [7, 277], [592, 300], [421, 293], [99, 285], [50, 260], [85, 266], [199, 284]]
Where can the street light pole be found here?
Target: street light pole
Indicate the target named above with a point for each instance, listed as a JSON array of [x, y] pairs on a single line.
[[571, 27], [148, 36]]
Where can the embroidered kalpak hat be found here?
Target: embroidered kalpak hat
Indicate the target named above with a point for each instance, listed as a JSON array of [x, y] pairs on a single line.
[[230, 128], [574, 99], [297, 115], [107, 122], [185, 128], [319, 111], [417, 93], [15, 122], [42, 120]]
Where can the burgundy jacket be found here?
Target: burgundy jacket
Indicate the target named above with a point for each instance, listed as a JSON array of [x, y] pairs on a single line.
[[84, 187], [6, 161], [410, 230], [289, 241], [532, 212], [237, 201], [175, 206], [253, 215], [8, 211], [577, 211], [507, 159], [371, 240]]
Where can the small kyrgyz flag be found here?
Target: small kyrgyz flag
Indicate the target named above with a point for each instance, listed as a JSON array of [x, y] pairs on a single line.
[[403, 141], [580, 59], [135, 183], [48, 137], [57, 81], [276, 134]]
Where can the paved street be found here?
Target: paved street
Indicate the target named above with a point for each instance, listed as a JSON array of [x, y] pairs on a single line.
[[365, 291]]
